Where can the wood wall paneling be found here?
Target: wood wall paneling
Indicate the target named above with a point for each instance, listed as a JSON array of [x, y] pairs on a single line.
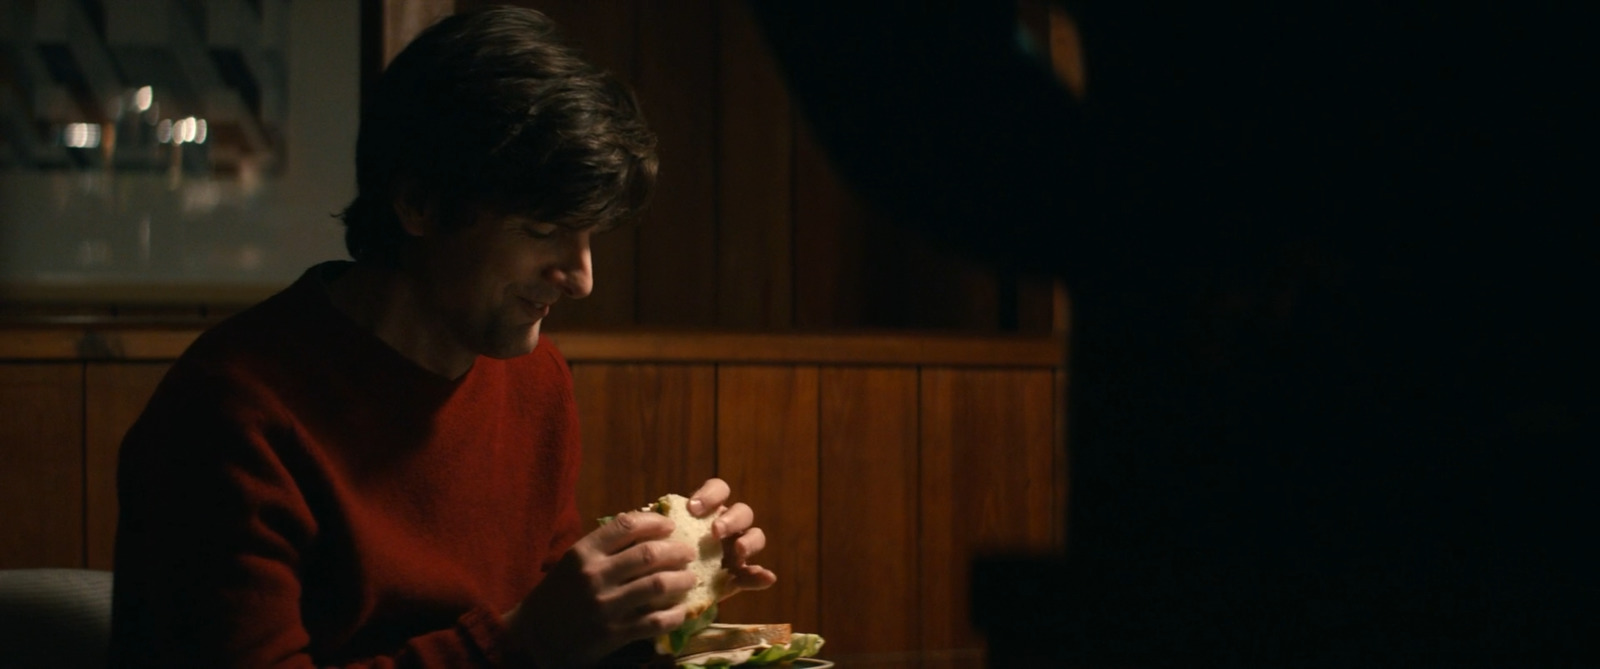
[[767, 451], [856, 267], [867, 580], [604, 30], [116, 394], [41, 465], [648, 430], [1037, 305], [986, 484], [754, 184], [909, 281], [936, 285], [676, 84], [828, 224]]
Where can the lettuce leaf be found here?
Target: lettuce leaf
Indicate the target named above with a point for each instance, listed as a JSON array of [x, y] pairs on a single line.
[[801, 645], [680, 636], [656, 506]]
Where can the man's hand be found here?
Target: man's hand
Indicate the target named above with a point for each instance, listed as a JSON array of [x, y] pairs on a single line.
[[620, 583], [740, 539]]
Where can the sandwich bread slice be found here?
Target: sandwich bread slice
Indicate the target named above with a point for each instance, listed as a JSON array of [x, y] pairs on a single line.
[[712, 581], [723, 636]]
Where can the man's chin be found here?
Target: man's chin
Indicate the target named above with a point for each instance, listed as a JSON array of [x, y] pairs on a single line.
[[517, 346]]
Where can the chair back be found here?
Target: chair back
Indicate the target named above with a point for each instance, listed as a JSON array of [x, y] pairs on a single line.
[[54, 618]]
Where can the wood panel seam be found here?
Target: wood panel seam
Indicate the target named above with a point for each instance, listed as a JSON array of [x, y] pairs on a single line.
[[83, 470], [918, 630], [816, 494]]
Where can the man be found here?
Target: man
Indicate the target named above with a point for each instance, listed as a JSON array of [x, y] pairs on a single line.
[[376, 467]]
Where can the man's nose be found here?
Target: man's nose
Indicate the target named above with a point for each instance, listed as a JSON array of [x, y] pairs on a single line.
[[574, 270]]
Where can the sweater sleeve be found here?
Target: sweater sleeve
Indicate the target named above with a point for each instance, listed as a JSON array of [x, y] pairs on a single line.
[[212, 532], [570, 522], [569, 529]]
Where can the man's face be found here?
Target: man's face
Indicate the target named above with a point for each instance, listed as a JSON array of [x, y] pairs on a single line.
[[490, 284]]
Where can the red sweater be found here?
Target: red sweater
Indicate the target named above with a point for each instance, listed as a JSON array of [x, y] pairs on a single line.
[[297, 493]]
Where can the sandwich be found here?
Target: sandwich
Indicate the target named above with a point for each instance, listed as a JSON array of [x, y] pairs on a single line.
[[724, 645], [701, 642]]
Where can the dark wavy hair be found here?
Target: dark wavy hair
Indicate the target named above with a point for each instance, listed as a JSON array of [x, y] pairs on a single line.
[[494, 109]]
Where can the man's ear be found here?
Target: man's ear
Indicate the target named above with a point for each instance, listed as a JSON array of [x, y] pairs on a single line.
[[416, 212]]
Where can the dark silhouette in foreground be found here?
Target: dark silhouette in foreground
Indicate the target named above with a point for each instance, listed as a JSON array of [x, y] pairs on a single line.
[[1332, 398]]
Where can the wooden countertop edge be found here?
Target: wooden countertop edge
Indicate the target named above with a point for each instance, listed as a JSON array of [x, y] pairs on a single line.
[[159, 344]]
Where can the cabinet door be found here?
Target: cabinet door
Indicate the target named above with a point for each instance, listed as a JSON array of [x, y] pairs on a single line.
[[41, 465], [115, 395]]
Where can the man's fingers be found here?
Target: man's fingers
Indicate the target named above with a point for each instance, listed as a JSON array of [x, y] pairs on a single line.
[[646, 558], [751, 577], [654, 592], [654, 622], [628, 529], [710, 497], [734, 519], [747, 545]]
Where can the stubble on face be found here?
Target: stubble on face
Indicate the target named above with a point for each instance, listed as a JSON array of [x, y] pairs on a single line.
[[479, 306], [507, 332]]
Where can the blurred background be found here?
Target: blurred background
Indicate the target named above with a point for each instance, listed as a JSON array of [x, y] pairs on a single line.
[[170, 154]]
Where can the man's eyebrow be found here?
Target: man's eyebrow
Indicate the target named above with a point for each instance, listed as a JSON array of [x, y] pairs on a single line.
[[525, 221], [571, 224], [593, 225], [606, 225]]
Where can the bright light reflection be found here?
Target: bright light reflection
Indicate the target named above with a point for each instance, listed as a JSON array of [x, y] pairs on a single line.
[[182, 130], [142, 98], [81, 135]]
